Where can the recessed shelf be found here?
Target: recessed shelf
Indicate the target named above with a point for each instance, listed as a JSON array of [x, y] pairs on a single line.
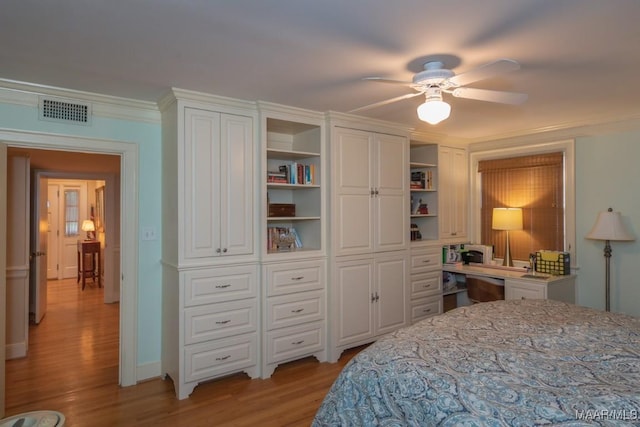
[[423, 215], [292, 218], [289, 154], [421, 165], [291, 186], [423, 190]]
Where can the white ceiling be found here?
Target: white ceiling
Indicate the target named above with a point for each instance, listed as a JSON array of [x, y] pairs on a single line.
[[580, 58]]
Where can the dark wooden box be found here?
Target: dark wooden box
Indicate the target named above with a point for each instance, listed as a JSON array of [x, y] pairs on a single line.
[[282, 209]]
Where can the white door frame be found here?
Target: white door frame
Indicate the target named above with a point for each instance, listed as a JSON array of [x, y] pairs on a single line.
[[128, 232]]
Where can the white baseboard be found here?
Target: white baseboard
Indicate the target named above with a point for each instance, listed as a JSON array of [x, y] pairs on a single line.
[[15, 351], [148, 371]]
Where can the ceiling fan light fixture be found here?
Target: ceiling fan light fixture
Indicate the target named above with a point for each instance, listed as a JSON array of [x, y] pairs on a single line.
[[434, 110]]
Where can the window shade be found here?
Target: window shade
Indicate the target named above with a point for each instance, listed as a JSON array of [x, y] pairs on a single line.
[[533, 183]]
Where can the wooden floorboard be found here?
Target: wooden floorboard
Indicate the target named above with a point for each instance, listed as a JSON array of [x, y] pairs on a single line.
[[72, 367]]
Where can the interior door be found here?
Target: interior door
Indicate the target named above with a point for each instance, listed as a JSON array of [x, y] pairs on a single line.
[[53, 236], [39, 232]]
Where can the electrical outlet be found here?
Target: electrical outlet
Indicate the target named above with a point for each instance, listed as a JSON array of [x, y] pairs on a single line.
[[148, 233]]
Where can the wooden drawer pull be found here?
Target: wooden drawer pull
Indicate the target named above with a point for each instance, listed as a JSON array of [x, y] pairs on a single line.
[[297, 342], [222, 286], [222, 322], [223, 358], [299, 310]]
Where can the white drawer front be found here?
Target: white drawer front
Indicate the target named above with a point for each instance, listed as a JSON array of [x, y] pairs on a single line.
[[426, 261], [291, 310], [220, 284], [289, 343], [204, 323], [294, 277], [425, 308], [426, 284], [212, 359]]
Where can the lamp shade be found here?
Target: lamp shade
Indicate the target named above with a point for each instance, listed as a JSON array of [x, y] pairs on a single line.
[[434, 111], [87, 225], [507, 219], [609, 226]]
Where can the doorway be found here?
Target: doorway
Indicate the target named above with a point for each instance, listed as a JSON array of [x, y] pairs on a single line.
[[126, 210]]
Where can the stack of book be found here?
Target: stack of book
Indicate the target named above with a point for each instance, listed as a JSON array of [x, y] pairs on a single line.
[[277, 177], [283, 238], [418, 180]]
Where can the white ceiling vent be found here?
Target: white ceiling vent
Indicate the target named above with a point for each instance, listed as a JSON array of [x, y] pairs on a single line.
[[64, 110]]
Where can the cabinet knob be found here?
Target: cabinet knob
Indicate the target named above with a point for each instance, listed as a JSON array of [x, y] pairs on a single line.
[[372, 192], [224, 250], [223, 358], [218, 250], [373, 298], [297, 278], [297, 342], [377, 296], [222, 322], [299, 310]]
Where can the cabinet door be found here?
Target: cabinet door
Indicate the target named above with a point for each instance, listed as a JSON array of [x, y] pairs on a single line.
[[392, 297], [236, 185], [201, 183], [354, 301], [352, 174], [453, 174], [390, 199]]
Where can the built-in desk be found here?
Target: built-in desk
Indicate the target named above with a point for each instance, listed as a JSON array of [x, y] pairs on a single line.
[[518, 284]]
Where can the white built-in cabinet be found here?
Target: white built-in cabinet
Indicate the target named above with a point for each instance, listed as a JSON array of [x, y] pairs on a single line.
[[370, 298], [369, 229], [210, 263], [369, 192], [294, 279], [453, 193]]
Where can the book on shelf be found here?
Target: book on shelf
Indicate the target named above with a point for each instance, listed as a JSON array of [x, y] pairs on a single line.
[[283, 239], [298, 173], [421, 180]]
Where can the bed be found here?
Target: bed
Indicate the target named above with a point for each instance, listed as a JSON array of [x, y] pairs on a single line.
[[501, 363]]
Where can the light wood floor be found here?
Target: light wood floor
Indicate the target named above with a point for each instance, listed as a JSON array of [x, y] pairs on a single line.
[[72, 367]]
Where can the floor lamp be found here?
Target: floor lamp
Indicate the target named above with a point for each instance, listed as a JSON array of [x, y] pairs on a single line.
[[507, 219], [609, 227]]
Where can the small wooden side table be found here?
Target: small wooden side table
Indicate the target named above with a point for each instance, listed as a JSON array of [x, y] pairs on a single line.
[[88, 251]]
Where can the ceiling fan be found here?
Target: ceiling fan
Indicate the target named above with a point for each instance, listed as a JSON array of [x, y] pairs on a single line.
[[435, 79]]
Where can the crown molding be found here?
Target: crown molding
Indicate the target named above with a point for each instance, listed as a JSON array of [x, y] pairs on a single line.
[[27, 94], [568, 130]]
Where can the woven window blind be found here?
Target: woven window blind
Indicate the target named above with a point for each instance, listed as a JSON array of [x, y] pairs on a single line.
[[535, 184]]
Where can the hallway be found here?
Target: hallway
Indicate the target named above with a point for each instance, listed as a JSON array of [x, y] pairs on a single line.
[[73, 349]]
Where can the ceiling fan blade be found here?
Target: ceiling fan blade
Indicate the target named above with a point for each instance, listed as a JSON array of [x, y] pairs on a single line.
[[485, 71], [490, 95], [386, 101], [382, 80]]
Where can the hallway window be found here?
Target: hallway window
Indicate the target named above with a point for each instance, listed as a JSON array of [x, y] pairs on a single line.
[[71, 212]]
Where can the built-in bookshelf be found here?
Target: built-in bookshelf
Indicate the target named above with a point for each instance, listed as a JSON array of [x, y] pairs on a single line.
[[293, 150], [423, 185]]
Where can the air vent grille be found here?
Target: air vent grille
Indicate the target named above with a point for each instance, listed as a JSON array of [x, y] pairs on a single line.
[[67, 111]]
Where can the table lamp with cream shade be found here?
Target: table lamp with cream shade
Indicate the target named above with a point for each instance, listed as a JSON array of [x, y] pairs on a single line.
[[90, 228], [609, 227], [507, 219]]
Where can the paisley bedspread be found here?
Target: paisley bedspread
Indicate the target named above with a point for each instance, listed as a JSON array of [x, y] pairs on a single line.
[[502, 363]]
